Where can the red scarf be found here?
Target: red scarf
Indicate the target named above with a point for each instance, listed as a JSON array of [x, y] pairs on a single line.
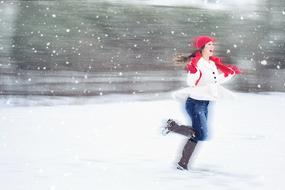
[[226, 69]]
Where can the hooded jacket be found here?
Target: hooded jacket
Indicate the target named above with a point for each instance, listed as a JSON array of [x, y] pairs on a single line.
[[227, 70], [204, 79]]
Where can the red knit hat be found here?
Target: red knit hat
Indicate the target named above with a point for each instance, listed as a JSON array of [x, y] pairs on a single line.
[[200, 41]]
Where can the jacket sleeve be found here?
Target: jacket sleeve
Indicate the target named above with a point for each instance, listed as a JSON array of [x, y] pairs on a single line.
[[192, 78], [223, 79]]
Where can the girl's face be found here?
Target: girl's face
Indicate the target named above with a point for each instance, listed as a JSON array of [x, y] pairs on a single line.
[[208, 50]]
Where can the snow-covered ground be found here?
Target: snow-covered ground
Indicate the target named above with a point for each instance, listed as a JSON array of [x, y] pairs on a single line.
[[115, 143]]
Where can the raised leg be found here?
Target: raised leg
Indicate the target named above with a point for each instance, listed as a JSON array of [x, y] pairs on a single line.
[[180, 129]]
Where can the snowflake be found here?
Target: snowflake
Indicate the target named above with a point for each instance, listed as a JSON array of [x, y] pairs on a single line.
[[263, 62]]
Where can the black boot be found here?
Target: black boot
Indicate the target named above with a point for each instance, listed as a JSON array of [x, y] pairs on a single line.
[[172, 126], [186, 154]]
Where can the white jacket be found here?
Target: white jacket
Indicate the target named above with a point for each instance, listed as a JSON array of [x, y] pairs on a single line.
[[209, 85]]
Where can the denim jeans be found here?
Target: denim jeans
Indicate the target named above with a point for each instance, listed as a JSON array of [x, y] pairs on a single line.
[[198, 112]]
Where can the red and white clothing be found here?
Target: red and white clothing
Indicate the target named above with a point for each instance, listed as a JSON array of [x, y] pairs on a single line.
[[204, 80]]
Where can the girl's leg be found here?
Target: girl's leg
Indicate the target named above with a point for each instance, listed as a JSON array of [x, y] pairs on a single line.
[[180, 129], [198, 111], [187, 152], [200, 126]]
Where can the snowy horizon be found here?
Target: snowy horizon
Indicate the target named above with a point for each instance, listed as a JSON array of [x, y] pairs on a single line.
[[205, 4]]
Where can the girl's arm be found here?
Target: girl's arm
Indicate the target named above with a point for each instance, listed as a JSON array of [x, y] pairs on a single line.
[[226, 77], [223, 79], [192, 78]]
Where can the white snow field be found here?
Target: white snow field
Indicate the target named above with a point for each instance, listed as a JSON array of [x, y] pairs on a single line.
[[115, 143]]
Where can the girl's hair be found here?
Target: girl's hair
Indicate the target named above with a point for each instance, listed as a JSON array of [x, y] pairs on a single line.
[[182, 59]]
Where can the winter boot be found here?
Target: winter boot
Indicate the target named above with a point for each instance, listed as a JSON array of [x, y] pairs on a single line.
[[172, 126], [166, 129], [186, 154]]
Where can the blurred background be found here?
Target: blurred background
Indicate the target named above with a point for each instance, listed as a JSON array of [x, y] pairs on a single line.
[[88, 47]]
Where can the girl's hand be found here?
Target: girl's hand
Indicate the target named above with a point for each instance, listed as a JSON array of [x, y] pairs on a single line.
[[191, 68], [235, 69]]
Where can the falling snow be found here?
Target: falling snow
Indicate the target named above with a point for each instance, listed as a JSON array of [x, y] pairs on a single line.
[[99, 39], [263, 62]]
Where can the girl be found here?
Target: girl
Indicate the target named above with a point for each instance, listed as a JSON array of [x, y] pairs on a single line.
[[205, 73]]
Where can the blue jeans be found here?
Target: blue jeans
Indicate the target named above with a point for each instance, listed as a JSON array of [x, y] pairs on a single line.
[[198, 112]]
